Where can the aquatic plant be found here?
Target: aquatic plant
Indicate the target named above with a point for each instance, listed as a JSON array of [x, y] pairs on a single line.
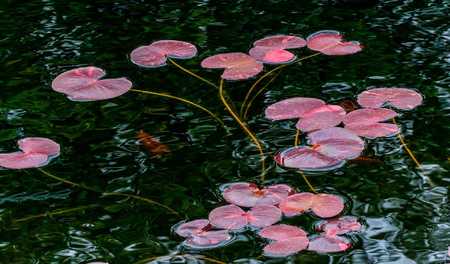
[[272, 49], [285, 240]]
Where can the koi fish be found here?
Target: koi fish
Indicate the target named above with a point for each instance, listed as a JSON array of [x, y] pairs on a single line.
[[348, 105], [152, 145]]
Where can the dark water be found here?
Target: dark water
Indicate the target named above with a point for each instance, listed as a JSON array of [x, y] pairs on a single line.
[[406, 219]]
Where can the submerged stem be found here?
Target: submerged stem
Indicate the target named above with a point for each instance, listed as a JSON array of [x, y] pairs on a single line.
[[56, 212], [192, 73], [184, 101], [81, 186], [307, 182], [245, 128], [247, 96], [402, 141], [297, 138], [249, 104]]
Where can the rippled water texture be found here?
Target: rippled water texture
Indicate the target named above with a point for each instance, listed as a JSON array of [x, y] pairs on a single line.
[[404, 210]]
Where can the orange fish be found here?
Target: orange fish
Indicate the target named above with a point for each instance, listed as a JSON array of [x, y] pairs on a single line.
[[348, 105], [153, 145]]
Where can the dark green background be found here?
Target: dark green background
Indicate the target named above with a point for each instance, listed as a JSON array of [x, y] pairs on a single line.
[[406, 44]]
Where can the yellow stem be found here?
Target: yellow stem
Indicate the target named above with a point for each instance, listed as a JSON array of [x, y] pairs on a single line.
[[245, 128], [307, 182], [184, 101], [140, 198], [81, 186], [192, 73], [55, 212], [247, 96], [297, 138], [411, 154], [249, 104]]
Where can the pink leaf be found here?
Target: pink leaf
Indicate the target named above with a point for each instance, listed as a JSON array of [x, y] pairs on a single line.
[[327, 205], [325, 244], [401, 98], [284, 248], [337, 143], [192, 228], [271, 56], [340, 226], [297, 204], [208, 239], [264, 215], [20, 160], [281, 232], [237, 65], [281, 42], [39, 145], [228, 217], [248, 195], [176, 49], [305, 158], [292, 108], [331, 42], [321, 117], [155, 54], [83, 84], [364, 122], [148, 56]]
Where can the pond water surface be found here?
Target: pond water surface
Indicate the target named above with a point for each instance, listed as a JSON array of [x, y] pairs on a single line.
[[404, 210]]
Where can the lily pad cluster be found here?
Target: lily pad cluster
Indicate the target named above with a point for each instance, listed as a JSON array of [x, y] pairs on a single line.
[[329, 146], [260, 209]]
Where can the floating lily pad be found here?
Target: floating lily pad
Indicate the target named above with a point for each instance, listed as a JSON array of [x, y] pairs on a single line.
[[36, 152], [326, 244], [322, 205], [271, 56], [292, 108], [248, 195], [232, 217], [330, 42], [339, 226], [401, 98], [331, 147], [156, 54], [198, 234], [288, 240], [281, 42], [366, 122], [84, 84], [237, 65]]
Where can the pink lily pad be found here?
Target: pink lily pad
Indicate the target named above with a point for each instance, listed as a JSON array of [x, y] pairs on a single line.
[[288, 240], [20, 160], [156, 54], [286, 247], [36, 152], [232, 217], [281, 232], [322, 205], [271, 56], [237, 65], [401, 98], [331, 42], [366, 122], [321, 117], [325, 244], [339, 226], [84, 84], [192, 228], [39, 145], [330, 148], [292, 108], [208, 239], [281, 42], [248, 195]]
